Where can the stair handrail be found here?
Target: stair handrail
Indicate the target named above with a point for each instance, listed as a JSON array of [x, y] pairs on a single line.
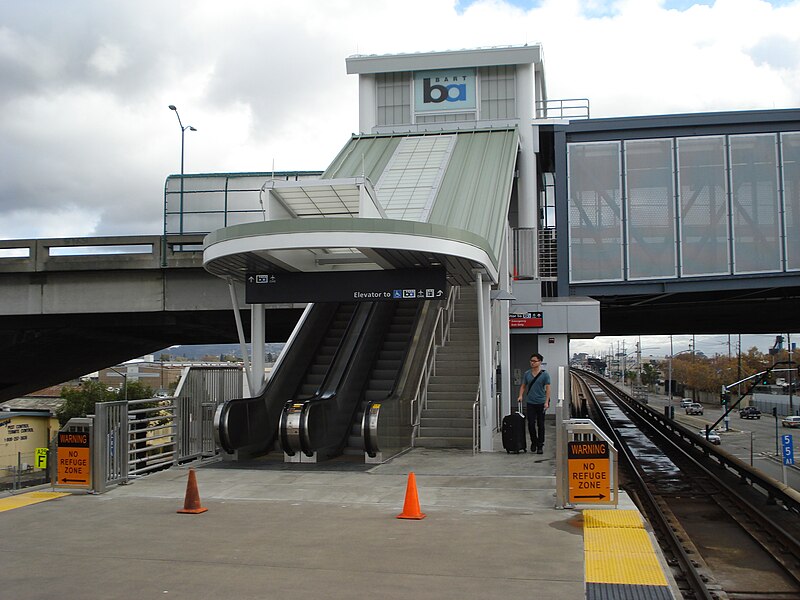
[[476, 423], [442, 325]]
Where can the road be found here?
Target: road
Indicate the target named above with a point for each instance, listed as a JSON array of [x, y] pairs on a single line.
[[752, 441]]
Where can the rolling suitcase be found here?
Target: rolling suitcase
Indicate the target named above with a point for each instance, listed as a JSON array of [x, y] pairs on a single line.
[[513, 430]]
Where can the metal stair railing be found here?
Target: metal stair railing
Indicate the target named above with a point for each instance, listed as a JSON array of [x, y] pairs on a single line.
[[442, 327]]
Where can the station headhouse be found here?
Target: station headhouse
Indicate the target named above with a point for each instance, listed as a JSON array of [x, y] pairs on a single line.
[[445, 173]]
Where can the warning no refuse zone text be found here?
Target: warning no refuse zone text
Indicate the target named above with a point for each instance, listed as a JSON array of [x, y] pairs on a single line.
[[576, 450], [73, 440]]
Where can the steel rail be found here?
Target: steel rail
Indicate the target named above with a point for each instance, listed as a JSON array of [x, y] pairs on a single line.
[[657, 518], [679, 441]]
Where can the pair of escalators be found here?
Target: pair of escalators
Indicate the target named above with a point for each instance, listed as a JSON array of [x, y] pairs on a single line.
[[344, 365]]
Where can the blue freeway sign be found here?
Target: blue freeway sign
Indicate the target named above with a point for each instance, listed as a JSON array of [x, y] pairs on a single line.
[[788, 449]]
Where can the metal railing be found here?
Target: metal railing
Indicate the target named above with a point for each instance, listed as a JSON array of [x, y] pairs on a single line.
[[476, 423], [563, 108], [136, 437], [541, 264], [442, 334]]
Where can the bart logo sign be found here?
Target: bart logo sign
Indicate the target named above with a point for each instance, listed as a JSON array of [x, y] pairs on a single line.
[[449, 89]]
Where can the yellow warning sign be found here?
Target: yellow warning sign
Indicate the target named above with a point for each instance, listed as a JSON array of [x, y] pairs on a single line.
[[74, 464], [40, 458], [589, 466]]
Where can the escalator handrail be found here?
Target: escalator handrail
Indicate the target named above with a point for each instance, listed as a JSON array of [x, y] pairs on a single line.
[[411, 364], [220, 427], [326, 391]]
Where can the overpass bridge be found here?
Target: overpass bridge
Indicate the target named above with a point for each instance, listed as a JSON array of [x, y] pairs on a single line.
[[74, 305]]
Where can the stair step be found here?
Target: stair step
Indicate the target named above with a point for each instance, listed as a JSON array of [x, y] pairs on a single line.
[[448, 413], [445, 423], [449, 404], [436, 442]]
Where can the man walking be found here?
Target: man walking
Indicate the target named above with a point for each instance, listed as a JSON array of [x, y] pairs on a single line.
[[535, 389]]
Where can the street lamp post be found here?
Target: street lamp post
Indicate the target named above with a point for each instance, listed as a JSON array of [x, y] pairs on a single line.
[[183, 136], [124, 381]]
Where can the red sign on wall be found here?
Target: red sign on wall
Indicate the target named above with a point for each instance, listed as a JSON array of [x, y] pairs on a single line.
[[528, 320]]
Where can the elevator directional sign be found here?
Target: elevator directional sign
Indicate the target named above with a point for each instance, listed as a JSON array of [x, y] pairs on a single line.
[[346, 286]]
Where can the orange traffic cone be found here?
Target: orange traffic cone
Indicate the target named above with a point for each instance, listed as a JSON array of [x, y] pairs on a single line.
[[191, 503], [411, 507]]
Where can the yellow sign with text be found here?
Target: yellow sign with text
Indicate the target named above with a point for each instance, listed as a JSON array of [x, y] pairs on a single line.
[[589, 466], [74, 464], [40, 458]]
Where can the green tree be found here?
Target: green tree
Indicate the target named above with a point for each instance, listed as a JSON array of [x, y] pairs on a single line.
[[80, 401], [649, 374]]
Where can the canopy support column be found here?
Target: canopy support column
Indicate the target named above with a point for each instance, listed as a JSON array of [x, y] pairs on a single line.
[[487, 411], [240, 331]]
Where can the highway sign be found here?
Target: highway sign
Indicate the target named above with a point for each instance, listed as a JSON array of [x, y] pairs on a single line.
[[788, 449], [74, 463], [589, 466]]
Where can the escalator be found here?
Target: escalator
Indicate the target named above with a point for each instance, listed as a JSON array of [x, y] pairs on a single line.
[[250, 425], [338, 391]]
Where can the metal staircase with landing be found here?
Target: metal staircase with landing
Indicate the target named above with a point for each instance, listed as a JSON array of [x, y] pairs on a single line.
[[446, 420]]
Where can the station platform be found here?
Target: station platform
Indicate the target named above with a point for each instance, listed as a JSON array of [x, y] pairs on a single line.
[[317, 531]]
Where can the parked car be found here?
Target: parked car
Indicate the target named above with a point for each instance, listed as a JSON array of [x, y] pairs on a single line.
[[749, 412], [686, 402], [695, 408], [713, 436], [790, 421]]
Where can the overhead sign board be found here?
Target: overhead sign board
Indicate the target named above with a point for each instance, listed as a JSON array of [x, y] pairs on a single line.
[[74, 463], [589, 469], [346, 286], [526, 320]]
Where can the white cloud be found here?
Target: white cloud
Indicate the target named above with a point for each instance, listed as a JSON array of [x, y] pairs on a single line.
[[84, 119]]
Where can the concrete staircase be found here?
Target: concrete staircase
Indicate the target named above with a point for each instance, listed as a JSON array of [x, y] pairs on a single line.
[[446, 422]]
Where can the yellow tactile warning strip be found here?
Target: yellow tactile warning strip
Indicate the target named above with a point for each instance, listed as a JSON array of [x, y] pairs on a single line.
[[27, 499], [618, 550]]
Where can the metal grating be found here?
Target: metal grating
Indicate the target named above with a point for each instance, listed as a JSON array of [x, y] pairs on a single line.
[[409, 183]]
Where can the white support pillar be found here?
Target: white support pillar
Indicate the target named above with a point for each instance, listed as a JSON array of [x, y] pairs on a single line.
[[555, 349], [487, 401], [367, 102], [258, 332], [503, 331], [528, 146]]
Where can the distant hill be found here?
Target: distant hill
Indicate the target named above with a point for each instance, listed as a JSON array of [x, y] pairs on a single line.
[[199, 351]]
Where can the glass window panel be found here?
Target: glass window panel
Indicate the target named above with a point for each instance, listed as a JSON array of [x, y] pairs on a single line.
[[650, 209], [203, 223], [703, 206], [595, 219], [202, 201], [245, 200], [754, 197], [791, 197], [244, 217]]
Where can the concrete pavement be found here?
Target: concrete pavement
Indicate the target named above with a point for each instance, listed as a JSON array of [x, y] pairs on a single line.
[[303, 531]]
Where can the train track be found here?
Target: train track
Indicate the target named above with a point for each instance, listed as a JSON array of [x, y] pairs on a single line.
[[728, 532]]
